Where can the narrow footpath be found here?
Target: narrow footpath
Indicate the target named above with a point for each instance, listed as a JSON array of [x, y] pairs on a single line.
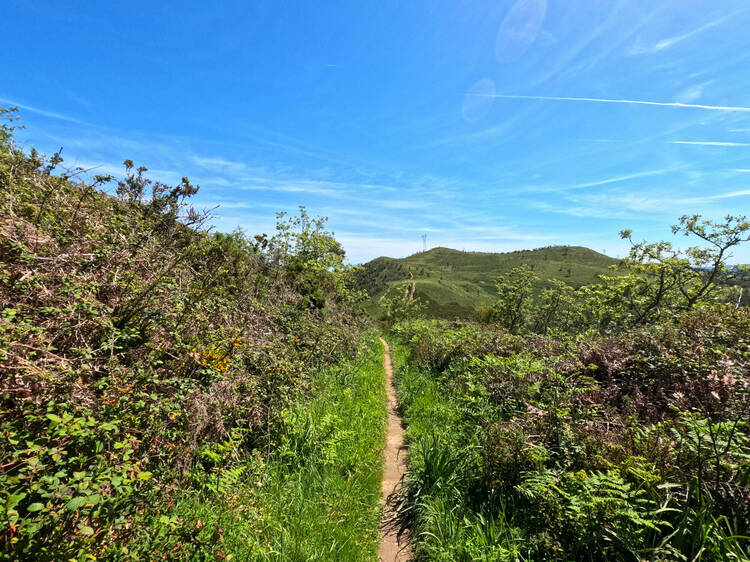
[[395, 466]]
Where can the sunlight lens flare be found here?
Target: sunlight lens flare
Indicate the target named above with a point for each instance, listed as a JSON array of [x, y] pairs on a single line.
[[519, 29], [478, 100]]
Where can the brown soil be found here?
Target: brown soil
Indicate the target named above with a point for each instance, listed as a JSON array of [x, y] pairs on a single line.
[[391, 550]]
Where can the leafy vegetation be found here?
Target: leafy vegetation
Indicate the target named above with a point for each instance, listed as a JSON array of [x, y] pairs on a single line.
[[453, 284], [623, 447], [148, 364], [315, 497], [169, 392], [608, 422], [653, 283]]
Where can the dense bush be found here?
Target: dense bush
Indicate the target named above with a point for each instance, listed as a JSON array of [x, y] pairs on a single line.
[[655, 282], [623, 447], [142, 354]]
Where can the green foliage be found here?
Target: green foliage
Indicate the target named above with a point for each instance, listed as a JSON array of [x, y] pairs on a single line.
[[313, 258], [316, 496], [674, 279], [144, 358], [655, 282], [626, 447], [453, 284], [514, 293], [399, 304]]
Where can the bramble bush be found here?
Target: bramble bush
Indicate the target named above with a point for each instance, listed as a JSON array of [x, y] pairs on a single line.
[[142, 353], [632, 445]]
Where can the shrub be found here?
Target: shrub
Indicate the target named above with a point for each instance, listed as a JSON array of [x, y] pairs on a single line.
[[142, 353]]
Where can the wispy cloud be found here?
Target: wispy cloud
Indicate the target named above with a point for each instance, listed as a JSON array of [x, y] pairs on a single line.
[[710, 143], [692, 93], [624, 101], [741, 193], [42, 112], [670, 41], [632, 206], [557, 188], [402, 205], [627, 177], [741, 170]]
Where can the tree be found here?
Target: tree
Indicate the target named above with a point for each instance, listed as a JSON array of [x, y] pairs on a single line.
[[312, 255], [558, 308], [514, 292], [669, 278], [400, 304]]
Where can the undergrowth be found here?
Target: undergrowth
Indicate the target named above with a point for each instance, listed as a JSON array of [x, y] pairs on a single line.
[[316, 497], [627, 447], [144, 358]]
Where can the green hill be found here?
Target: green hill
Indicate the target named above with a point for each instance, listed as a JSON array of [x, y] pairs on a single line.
[[452, 283]]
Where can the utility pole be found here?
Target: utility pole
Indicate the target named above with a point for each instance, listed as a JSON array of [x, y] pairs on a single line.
[[424, 242]]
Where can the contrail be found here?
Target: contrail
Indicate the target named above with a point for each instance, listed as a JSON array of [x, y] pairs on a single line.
[[604, 100], [711, 143], [41, 111]]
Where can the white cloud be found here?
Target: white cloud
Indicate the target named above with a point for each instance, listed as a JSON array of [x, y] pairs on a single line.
[[731, 194], [42, 112], [710, 143], [670, 41], [623, 178], [692, 93], [624, 101], [405, 205]]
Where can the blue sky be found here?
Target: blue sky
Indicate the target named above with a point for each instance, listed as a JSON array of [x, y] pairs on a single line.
[[488, 126]]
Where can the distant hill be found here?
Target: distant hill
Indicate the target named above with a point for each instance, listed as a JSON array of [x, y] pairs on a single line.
[[452, 283]]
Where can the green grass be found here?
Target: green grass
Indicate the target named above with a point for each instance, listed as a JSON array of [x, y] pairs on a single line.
[[441, 454], [454, 283], [317, 497]]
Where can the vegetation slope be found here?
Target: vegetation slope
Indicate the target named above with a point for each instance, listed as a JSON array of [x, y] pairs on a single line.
[[607, 422], [452, 284], [168, 392]]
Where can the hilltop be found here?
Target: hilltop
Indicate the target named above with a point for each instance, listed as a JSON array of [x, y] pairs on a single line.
[[452, 283]]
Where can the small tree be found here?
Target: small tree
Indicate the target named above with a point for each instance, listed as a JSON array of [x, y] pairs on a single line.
[[558, 308], [669, 278], [400, 304], [515, 292], [310, 253]]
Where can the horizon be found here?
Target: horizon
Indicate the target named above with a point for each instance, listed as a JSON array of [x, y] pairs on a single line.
[[490, 127]]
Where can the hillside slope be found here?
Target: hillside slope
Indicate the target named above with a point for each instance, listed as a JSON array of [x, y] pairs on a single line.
[[452, 283], [150, 367]]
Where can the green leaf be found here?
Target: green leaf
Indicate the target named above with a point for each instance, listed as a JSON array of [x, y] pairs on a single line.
[[13, 499], [35, 507], [76, 503], [87, 531], [54, 419], [144, 475]]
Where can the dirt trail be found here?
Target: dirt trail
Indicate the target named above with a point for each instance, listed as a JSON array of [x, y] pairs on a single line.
[[395, 466]]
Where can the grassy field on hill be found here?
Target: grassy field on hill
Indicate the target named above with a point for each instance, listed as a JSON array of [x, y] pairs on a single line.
[[453, 283]]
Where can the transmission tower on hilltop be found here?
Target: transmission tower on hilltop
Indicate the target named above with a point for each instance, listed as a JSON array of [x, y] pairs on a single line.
[[424, 242]]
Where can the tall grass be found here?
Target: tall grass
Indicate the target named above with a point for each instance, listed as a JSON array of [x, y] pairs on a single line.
[[435, 504], [317, 496]]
